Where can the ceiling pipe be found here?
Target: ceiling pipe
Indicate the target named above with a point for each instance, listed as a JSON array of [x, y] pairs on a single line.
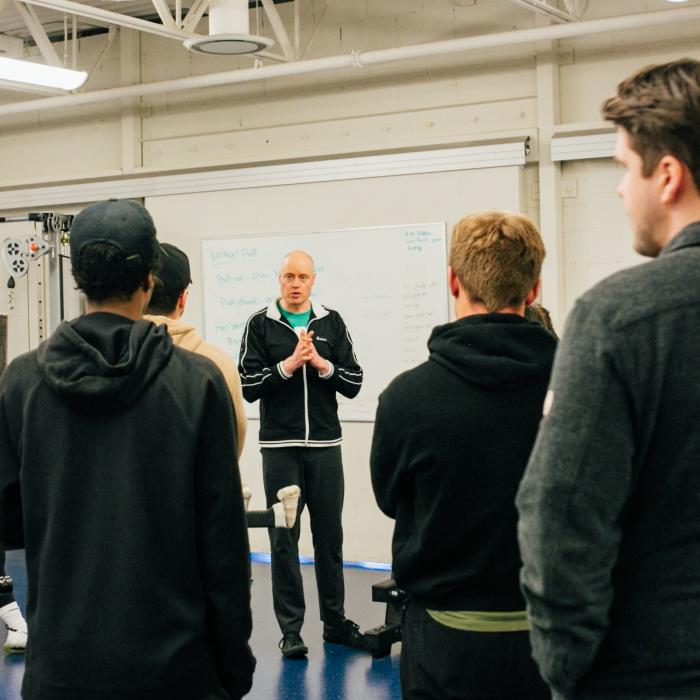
[[365, 58]]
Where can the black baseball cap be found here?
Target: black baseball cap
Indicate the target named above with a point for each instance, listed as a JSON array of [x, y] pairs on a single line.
[[124, 223], [174, 271]]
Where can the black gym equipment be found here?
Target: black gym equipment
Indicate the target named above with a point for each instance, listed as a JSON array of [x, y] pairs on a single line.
[[379, 639]]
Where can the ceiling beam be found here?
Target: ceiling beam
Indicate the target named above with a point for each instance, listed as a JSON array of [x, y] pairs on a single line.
[[105, 16], [541, 7], [278, 28], [297, 29], [164, 13], [195, 13], [36, 29], [577, 7]]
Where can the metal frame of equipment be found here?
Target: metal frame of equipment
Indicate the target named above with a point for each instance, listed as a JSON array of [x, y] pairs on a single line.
[[17, 255], [379, 639]]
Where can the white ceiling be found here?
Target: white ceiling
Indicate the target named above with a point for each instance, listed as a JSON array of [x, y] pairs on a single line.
[[12, 24], [159, 14]]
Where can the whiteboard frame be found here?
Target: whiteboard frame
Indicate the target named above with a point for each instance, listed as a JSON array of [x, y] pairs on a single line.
[[252, 409]]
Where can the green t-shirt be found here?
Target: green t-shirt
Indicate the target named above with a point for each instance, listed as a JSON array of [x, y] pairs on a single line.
[[296, 320]]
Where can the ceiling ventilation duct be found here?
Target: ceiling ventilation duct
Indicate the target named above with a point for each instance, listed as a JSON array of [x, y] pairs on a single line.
[[228, 31]]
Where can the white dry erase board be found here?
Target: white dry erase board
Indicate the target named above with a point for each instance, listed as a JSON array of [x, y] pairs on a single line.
[[388, 283]]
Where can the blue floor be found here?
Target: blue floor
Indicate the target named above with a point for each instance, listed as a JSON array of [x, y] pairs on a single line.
[[331, 672]]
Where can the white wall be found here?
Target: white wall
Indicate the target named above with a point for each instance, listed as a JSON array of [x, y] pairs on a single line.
[[597, 235], [185, 219]]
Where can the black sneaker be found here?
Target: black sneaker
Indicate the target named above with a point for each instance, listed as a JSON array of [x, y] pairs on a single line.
[[292, 646], [346, 633]]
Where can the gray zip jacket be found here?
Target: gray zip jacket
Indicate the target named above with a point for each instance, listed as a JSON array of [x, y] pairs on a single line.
[[609, 506]]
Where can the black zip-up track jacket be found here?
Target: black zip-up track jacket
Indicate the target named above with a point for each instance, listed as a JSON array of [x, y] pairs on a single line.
[[300, 410]]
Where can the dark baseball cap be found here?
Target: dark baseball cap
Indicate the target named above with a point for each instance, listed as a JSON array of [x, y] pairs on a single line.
[[123, 223], [174, 271]]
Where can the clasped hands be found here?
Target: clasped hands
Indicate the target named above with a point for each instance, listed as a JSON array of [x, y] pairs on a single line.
[[305, 353]]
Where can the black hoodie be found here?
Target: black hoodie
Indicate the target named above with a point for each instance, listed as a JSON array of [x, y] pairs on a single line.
[[117, 475], [451, 441]]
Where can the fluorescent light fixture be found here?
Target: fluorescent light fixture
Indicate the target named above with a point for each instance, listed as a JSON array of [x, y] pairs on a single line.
[[39, 74], [229, 31]]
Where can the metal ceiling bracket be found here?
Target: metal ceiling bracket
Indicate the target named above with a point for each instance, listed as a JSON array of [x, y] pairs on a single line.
[[278, 28], [106, 17], [38, 33], [315, 31], [541, 7], [577, 7], [164, 13], [195, 13]]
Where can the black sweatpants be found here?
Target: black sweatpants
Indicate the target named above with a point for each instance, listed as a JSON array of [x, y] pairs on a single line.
[[318, 471], [6, 596], [442, 663]]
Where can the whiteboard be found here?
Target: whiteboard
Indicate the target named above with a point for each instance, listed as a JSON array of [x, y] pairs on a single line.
[[388, 283]]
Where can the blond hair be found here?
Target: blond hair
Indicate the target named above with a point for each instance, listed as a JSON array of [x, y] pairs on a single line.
[[497, 256]]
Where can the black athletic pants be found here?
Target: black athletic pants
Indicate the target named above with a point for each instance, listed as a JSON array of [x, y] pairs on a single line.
[[318, 471], [442, 663], [6, 597]]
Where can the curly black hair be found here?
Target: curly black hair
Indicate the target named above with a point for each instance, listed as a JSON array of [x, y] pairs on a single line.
[[104, 273]]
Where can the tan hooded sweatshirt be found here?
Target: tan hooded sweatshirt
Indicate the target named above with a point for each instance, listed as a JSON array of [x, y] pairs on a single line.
[[185, 337]]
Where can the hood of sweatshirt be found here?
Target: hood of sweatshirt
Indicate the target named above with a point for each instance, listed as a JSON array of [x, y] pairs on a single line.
[[493, 351], [183, 334], [102, 362]]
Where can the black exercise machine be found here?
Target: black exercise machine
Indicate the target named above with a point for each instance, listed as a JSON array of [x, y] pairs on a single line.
[[379, 639]]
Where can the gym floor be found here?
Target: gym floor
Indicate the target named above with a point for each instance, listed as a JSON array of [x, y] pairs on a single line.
[[331, 672]]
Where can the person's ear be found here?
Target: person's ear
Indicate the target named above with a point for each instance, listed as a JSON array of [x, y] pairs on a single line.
[[452, 282], [670, 175], [182, 299], [533, 293]]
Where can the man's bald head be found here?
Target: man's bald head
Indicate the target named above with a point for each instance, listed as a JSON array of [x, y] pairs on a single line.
[[296, 279], [297, 257]]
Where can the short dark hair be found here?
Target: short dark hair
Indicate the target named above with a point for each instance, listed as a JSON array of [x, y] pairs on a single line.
[[163, 301], [172, 279], [659, 107], [105, 274]]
